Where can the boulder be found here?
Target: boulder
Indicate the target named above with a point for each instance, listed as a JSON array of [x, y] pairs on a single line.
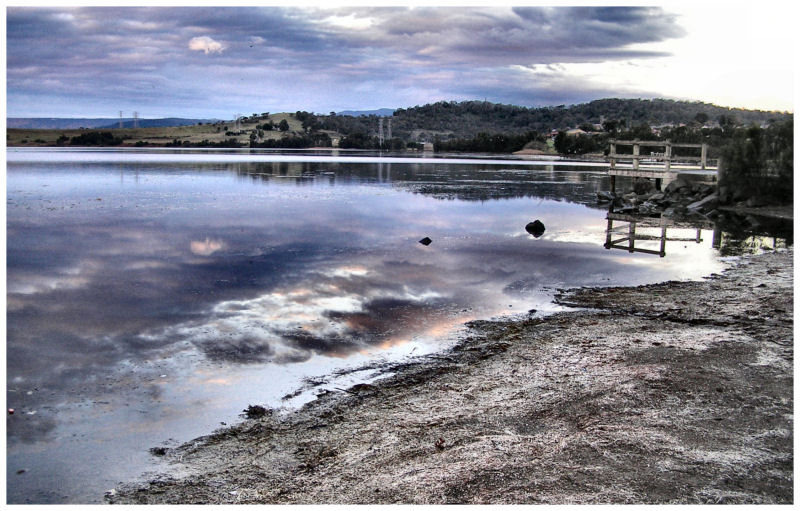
[[706, 204], [648, 208], [676, 185], [603, 197], [535, 228], [631, 198], [426, 241]]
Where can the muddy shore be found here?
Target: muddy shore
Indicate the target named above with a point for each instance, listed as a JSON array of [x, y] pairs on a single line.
[[671, 393]]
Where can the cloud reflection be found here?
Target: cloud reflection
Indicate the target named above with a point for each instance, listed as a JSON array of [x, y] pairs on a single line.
[[335, 312], [206, 247]]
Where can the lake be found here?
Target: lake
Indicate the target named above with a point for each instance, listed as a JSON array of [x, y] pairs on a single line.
[[152, 295]]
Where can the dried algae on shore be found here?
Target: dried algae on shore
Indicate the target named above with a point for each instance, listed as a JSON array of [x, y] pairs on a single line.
[[678, 392]]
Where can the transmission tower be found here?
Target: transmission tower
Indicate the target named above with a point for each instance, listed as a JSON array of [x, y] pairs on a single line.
[[135, 119], [380, 131], [389, 134], [120, 119], [237, 122]]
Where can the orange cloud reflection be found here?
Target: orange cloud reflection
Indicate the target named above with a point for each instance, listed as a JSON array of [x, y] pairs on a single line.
[[205, 248]]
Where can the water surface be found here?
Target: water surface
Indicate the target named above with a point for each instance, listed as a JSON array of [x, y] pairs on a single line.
[[153, 295]]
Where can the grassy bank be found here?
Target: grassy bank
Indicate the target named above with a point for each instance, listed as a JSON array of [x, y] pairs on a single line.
[[162, 136]]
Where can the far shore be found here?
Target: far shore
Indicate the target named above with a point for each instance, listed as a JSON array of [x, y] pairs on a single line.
[[673, 393]]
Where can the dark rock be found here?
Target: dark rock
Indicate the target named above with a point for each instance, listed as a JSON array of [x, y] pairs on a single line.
[[648, 208], [705, 204], [706, 189], [631, 197], [536, 228], [603, 197], [158, 451], [642, 186], [426, 241], [255, 411]]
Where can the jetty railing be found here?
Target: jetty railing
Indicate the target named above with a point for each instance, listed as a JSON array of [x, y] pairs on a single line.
[[659, 163]]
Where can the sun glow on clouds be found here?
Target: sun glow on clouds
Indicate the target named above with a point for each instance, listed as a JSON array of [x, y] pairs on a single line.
[[735, 54], [349, 22]]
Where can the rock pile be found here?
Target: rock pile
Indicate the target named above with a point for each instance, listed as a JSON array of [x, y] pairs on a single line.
[[679, 198]]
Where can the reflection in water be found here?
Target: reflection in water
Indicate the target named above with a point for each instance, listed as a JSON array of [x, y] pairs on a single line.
[[149, 300], [630, 235], [738, 234], [730, 236]]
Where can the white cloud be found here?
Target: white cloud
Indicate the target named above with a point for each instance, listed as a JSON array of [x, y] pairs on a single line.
[[206, 45]]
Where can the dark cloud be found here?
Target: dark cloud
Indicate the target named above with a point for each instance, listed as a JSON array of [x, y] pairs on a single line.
[[101, 59]]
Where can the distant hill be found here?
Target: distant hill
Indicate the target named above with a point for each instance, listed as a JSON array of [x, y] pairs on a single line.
[[66, 123], [381, 112], [469, 118]]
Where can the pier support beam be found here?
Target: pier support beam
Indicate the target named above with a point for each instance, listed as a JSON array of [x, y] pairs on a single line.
[[703, 156]]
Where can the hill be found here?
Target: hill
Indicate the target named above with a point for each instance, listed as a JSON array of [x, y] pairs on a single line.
[[442, 121], [67, 123], [469, 118]]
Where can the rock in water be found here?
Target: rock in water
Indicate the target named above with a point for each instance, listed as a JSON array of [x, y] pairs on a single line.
[[426, 241], [536, 228]]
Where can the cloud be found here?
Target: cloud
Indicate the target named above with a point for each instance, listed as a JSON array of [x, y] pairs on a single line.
[[335, 58], [206, 45]]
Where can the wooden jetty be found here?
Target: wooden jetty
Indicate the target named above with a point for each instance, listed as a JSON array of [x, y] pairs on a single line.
[[657, 165]]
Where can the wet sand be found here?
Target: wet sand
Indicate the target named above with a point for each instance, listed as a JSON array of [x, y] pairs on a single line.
[[673, 393]]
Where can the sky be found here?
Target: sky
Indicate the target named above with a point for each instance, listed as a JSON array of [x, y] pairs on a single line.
[[204, 61]]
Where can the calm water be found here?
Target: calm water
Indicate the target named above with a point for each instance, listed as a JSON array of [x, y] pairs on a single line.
[[153, 295]]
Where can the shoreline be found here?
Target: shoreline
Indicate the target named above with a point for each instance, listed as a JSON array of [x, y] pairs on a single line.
[[677, 393]]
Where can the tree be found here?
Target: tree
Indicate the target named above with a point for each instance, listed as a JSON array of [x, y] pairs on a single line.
[[727, 122], [562, 143], [701, 118], [611, 126], [283, 125], [759, 163]]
